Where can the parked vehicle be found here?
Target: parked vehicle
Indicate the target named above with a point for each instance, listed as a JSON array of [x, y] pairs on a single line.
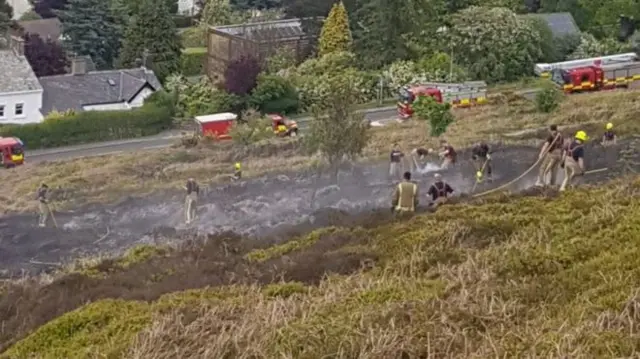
[[216, 125], [545, 70], [596, 78], [463, 94], [283, 126], [12, 151]]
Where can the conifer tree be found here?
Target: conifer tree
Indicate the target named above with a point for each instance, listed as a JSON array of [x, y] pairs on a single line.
[[154, 31], [335, 35]]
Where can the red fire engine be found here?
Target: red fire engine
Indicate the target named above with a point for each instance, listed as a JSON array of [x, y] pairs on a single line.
[[12, 151], [458, 94], [596, 78]]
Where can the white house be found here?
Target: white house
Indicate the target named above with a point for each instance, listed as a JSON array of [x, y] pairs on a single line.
[[20, 92], [85, 90], [187, 7]]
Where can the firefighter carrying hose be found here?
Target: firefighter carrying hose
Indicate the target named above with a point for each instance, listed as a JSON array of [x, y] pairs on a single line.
[[573, 159], [609, 138], [395, 158], [418, 155], [405, 197], [553, 157], [448, 155], [481, 156], [43, 204], [237, 173], [191, 200], [439, 191]]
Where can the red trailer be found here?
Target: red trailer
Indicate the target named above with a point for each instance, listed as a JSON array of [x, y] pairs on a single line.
[[216, 125]]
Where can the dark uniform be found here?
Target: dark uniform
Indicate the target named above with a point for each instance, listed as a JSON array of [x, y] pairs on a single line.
[[609, 138], [481, 155], [573, 163], [395, 157], [439, 191], [191, 200], [43, 205]]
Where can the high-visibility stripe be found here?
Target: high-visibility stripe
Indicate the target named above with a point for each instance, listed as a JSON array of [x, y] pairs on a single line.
[[399, 207]]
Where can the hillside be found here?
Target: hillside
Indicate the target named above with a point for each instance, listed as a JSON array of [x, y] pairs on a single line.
[[543, 276]]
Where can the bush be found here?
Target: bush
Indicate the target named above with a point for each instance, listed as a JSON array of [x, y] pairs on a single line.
[[438, 114], [182, 21], [253, 128], [241, 75], [548, 99], [195, 36], [92, 126], [274, 94], [192, 61]]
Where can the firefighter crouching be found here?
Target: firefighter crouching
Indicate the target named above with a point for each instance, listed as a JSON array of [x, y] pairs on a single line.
[[573, 159], [191, 200], [237, 173], [552, 158], [439, 191], [405, 197], [609, 138], [448, 155], [43, 205], [481, 156]]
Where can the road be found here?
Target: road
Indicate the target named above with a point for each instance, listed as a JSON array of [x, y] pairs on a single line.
[[378, 116]]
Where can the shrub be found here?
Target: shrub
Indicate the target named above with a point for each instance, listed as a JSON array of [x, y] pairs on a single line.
[[253, 128], [274, 94], [195, 36], [192, 61], [92, 126], [241, 75], [548, 98], [438, 114], [182, 21]]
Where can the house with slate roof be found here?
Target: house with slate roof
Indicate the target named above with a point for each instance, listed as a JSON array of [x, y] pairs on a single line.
[[560, 23], [20, 91], [86, 90]]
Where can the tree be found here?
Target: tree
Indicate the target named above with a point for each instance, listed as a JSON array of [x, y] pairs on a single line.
[[90, 29], [494, 43], [47, 58], [216, 13], [337, 131], [335, 35], [241, 75], [48, 8], [153, 30], [274, 94], [439, 115], [6, 16], [388, 29]]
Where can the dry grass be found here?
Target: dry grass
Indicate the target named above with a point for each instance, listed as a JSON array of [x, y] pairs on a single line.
[[506, 277], [108, 178]]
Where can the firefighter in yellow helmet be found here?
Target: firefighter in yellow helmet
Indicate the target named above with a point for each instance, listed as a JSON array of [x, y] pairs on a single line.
[[405, 197], [573, 159], [237, 173], [609, 138]]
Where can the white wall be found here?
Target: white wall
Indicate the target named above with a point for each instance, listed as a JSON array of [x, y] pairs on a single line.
[[187, 7], [137, 101], [31, 104], [140, 97], [19, 7]]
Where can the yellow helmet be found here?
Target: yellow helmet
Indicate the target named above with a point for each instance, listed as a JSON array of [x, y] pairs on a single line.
[[581, 135], [609, 126], [479, 174], [237, 165]]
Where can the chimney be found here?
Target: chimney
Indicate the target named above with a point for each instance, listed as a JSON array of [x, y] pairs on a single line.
[[17, 45], [79, 66]]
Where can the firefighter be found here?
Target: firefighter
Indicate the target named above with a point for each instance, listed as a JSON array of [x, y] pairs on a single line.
[[395, 158], [448, 155], [405, 197], [481, 156], [43, 204], [191, 200], [609, 138], [439, 191], [418, 155], [573, 159], [552, 153], [237, 173]]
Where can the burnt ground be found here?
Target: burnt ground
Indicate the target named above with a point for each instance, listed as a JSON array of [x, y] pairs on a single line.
[[211, 260], [270, 206]]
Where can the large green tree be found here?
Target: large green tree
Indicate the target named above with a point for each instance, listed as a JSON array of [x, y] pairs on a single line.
[[152, 30], [6, 14], [335, 35], [90, 28], [387, 30], [494, 43]]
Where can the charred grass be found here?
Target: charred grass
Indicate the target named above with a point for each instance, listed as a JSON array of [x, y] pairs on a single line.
[[509, 119], [541, 274]]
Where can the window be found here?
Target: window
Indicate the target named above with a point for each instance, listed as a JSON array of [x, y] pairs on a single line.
[[19, 109], [1, 110]]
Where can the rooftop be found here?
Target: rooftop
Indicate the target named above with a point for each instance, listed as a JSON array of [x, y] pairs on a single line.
[[560, 23], [16, 74], [265, 31], [64, 92]]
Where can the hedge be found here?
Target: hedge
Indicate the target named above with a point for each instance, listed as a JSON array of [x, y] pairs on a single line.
[[92, 126], [182, 21], [192, 61]]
